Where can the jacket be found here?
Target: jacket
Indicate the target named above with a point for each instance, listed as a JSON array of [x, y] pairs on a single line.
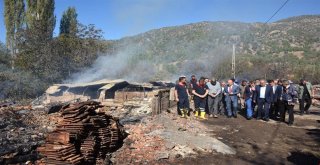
[[268, 94], [301, 90], [289, 94], [235, 91], [277, 95], [248, 93]]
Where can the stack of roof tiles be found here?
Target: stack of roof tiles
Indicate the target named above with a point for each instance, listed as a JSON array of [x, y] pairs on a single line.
[[82, 137]]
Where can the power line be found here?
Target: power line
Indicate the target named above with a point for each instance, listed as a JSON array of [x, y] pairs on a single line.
[[277, 11]]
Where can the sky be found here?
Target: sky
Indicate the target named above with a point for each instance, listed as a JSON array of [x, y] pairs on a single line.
[[121, 18]]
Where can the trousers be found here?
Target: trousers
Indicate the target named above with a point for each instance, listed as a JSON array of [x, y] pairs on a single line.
[[213, 103]]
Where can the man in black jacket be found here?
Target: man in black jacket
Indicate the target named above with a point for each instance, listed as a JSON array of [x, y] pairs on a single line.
[[263, 96]]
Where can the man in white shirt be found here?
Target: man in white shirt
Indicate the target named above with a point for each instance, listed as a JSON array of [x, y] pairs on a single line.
[[263, 96]]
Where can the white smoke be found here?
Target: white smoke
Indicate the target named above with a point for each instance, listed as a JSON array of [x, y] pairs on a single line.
[[116, 66]]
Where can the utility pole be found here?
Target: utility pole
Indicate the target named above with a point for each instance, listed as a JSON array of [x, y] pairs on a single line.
[[233, 65]]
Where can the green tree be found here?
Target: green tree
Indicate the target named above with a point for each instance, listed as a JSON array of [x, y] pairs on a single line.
[[14, 19], [69, 22], [40, 18]]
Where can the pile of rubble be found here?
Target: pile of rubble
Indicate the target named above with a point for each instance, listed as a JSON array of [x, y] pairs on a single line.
[[164, 138], [22, 130], [84, 136], [139, 147]]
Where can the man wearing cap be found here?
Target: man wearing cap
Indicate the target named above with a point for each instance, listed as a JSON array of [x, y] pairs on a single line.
[[182, 96], [214, 97], [305, 94]]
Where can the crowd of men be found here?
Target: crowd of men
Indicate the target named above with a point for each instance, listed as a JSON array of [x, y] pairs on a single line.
[[259, 99]]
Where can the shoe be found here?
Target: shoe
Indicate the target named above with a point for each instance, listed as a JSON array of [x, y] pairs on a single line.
[[215, 116], [210, 115], [301, 114], [196, 113], [235, 116], [266, 119], [307, 112], [249, 118], [203, 115], [290, 124], [184, 114]]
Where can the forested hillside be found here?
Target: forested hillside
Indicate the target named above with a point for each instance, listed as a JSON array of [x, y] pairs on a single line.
[[288, 48]]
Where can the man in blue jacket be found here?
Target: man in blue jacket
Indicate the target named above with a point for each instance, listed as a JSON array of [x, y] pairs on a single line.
[[263, 96], [231, 92]]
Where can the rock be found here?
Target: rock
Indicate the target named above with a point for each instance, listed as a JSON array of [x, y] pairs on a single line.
[[34, 136], [23, 112], [133, 119], [170, 146], [220, 138], [50, 129], [162, 155], [154, 133], [220, 147]]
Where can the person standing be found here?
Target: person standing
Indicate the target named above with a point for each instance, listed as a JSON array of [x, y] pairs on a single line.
[[231, 96], [222, 104], [276, 99], [248, 97], [193, 81], [273, 106], [305, 92], [182, 96], [214, 97], [263, 97], [242, 89], [200, 92], [288, 96]]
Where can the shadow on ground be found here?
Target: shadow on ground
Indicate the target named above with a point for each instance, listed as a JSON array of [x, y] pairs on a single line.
[[303, 158]]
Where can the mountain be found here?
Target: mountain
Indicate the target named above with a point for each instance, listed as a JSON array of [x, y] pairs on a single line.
[[287, 48]]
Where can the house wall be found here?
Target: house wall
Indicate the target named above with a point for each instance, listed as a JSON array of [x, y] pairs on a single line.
[[123, 96], [67, 97]]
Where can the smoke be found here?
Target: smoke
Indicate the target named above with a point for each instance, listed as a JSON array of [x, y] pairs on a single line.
[[130, 64], [121, 65]]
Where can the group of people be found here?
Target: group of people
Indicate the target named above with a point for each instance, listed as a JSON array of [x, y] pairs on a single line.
[[259, 98]]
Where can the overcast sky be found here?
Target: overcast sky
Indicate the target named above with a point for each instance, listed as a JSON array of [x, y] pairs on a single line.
[[120, 18]]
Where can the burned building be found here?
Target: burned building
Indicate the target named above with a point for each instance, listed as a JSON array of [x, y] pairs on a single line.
[[108, 92]]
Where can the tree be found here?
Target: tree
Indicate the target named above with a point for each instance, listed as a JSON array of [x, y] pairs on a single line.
[[69, 22], [41, 19], [14, 19]]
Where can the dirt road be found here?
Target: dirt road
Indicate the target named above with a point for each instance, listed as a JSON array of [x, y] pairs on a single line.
[[258, 142]]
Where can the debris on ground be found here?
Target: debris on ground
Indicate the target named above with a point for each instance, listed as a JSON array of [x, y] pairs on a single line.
[[22, 130], [166, 137]]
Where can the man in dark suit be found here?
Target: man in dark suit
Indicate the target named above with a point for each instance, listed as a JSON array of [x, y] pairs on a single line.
[[276, 98], [231, 92], [263, 96]]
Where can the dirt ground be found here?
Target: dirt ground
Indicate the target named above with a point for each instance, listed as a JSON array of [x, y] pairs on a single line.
[[258, 142]]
